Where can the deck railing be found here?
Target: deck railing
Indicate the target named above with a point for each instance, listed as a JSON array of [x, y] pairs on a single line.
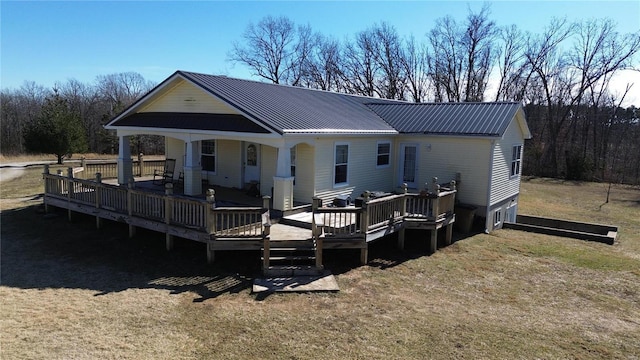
[[152, 209], [109, 168], [434, 205]]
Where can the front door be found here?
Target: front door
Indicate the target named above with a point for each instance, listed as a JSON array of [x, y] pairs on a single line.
[[251, 163], [409, 165]]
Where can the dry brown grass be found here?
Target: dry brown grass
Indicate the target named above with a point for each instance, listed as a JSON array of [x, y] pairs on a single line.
[[69, 291]]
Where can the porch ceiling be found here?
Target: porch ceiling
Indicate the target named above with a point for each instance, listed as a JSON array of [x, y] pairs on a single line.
[[192, 121]]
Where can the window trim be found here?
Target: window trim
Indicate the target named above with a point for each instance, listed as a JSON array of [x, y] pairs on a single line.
[[517, 162], [214, 155], [388, 164], [335, 149], [497, 217]]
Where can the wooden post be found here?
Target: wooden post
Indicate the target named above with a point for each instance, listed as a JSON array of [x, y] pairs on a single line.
[[83, 165], [266, 251], [404, 213], [45, 172], [266, 234], [364, 226], [141, 165], [449, 234], [69, 191], [433, 241], [364, 217], [98, 199], [132, 228], [211, 218], [364, 254], [315, 204], [436, 200], [168, 211], [60, 183], [211, 224]]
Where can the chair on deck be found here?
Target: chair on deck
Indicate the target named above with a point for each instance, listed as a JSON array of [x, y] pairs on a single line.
[[165, 175]]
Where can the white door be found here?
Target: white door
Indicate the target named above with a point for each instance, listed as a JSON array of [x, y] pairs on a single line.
[[512, 211], [409, 165], [251, 163]]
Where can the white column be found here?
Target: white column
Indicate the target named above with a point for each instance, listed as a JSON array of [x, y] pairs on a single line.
[[283, 181], [283, 167], [125, 170], [192, 169]]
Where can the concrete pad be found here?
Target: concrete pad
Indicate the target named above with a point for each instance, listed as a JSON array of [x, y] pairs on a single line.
[[311, 283]]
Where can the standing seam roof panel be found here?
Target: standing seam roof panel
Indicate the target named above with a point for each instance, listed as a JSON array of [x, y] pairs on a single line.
[[292, 108]]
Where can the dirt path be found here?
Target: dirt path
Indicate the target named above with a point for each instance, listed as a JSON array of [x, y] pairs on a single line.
[[10, 173]]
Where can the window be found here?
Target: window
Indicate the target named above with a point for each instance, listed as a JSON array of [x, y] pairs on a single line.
[[341, 161], [497, 217], [516, 158], [252, 155], [384, 152], [208, 155], [293, 160]]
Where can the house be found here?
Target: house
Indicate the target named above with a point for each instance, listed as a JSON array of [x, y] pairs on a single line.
[[296, 143]]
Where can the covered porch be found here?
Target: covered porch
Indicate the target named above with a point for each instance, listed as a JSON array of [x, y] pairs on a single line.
[[254, 164]]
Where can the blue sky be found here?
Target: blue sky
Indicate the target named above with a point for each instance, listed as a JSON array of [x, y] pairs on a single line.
[[49, 42]]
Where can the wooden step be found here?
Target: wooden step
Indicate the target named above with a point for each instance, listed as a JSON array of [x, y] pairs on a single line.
[[292, 270], [292, 248], [290, 257]]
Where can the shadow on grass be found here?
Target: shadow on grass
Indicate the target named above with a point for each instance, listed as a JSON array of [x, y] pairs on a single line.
[[46, 251]]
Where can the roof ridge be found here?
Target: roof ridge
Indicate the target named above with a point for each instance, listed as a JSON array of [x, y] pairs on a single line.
[[293, 87]]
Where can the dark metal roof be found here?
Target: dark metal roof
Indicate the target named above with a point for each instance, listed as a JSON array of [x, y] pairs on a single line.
[[192, 121], [294, 109], [481, 119], [283, 109]]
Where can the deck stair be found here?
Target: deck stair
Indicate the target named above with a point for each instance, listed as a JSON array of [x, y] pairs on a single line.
[[290, 251]]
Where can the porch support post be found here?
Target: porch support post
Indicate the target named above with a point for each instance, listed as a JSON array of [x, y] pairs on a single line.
[[125, 165], [433, 241], [283, 181], [193, 170]]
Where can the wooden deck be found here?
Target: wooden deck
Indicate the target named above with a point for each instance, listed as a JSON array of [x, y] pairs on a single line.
[[249, 227]]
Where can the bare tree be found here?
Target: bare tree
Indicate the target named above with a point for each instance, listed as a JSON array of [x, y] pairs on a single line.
[[414, 62], [19, 108], [360, 66], [446, 60], [388, 54], [512, 66], [323, 68], [478, 43], [275, 49]]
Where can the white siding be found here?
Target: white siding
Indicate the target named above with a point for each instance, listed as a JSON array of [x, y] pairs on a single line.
[[228, 164], [268, 165], [305, 174], [185, 97], [502, 187], [174, 149], [443, 157], [362, 171]]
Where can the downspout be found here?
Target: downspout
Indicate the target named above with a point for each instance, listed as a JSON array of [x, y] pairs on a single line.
[[489, 182]]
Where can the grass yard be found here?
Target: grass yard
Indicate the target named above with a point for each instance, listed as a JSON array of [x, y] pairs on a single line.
[[70, 291]]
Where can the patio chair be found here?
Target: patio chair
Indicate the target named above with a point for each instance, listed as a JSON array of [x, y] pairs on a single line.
[[165, 175], [179, 183]]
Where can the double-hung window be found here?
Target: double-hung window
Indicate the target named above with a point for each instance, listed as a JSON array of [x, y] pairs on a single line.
[[516, 159], [208, 155], [340, 175], [384, 154]]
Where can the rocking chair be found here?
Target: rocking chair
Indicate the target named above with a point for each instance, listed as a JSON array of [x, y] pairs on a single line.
[[165, 175]]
